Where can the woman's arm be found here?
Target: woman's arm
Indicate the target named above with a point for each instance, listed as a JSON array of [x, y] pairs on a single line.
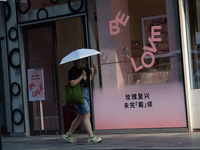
[[73, 83]]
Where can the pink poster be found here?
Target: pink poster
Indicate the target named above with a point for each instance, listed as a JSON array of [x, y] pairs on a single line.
[[36, 84]]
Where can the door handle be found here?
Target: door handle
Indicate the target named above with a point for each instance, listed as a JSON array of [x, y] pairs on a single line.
[[53, 66]]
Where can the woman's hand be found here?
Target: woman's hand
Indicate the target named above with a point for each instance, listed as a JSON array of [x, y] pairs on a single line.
[[93, 72], [95, 69], [95, 66], [84, 75]]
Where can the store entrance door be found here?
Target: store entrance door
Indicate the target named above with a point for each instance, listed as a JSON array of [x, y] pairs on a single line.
[[45, 46], [40, 53], [70, 35]]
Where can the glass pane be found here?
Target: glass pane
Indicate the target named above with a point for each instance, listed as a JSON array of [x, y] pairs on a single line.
[[194, 38], [140, 82], [41, 55], [70, 36]]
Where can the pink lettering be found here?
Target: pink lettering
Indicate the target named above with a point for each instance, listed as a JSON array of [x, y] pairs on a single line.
[[152, 61], [114, 29], [120, 20], [153, 49], [149, 50], [134, 65], [153, 33]]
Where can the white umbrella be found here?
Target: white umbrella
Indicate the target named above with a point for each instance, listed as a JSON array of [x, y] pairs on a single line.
[[79, 54]]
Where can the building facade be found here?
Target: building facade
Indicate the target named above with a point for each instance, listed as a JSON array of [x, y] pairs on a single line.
[[148, 76]]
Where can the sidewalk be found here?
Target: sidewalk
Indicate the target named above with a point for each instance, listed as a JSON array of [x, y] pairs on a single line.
[[114, 141]]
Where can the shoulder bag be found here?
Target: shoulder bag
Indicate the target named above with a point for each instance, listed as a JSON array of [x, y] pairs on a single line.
[[74, 95]]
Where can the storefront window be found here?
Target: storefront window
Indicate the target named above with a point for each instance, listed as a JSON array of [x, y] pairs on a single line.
[[194, 42], [140, 81]]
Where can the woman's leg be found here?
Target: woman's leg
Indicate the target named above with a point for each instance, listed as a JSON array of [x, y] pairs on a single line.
[[75, 124], [87, 124], [93, 138]]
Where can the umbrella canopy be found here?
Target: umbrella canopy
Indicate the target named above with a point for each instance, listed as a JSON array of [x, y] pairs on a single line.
[[79, 54]]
